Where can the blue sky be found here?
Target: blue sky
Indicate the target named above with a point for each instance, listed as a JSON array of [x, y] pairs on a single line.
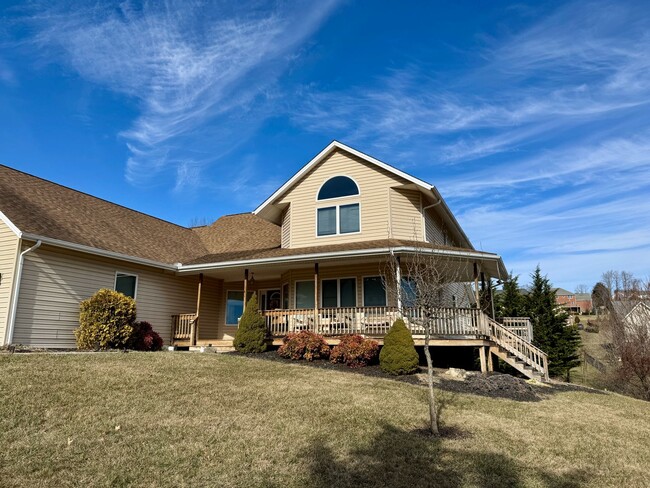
[[532, 119]]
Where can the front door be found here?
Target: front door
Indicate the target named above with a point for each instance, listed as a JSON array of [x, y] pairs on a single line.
[[270, 299]]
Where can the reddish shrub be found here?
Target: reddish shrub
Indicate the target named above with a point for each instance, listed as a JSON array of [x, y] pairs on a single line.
[[144, 338], [304, 345], [355, 351]]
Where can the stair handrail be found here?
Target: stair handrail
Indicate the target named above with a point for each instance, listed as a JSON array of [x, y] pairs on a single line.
[[525, 351]]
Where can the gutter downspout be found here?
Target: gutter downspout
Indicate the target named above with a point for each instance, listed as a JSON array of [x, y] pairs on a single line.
[[14, 303]]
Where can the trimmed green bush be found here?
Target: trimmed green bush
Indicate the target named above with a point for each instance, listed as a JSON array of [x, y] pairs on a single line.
[[398, 356], [252, 335], [304, 345], [105, 321], [355, 351]]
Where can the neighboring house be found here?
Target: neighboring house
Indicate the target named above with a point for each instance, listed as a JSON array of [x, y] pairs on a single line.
[[635, 315], [313, 252], [573, 302]]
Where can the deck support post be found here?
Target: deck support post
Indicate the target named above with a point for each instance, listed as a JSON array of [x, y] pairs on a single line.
[[490, 364], [245, 289], [194, 334], [316, 297], [481, 353]]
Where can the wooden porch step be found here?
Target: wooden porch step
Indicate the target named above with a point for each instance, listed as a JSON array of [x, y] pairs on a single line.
[[517, 363]]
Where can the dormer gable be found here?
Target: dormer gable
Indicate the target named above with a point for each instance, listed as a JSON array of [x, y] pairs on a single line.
[[343, 195]]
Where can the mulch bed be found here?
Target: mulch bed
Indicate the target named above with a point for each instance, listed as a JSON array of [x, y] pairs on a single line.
[[494, 385]]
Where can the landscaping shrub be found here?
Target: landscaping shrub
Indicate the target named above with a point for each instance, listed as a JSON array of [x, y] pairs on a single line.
[[144, 338], [252, 336], [398, 356], [355, 351], [105, 321], [304, 345]]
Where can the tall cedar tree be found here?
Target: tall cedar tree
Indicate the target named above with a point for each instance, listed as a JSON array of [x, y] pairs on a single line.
[[510, 302], [550, 330], [252, 336]]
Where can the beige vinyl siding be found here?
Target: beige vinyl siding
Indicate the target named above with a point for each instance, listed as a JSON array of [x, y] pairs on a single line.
[[286, 228], [434, 228], [406, 215], [54, 281], [374, 184], [9, 243], [209, 314]]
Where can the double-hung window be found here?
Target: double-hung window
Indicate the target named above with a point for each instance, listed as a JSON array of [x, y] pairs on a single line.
[[342, 218]]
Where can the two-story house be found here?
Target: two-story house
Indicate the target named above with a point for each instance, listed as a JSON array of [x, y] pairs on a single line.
[[313, 252]]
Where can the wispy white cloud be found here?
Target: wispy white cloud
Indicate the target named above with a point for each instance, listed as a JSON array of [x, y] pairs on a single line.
[[200, 74], [542, 145], [7, 75]]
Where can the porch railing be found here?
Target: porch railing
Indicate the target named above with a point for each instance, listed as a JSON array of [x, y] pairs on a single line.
[[374, 321], [521, 326], [184, 328]]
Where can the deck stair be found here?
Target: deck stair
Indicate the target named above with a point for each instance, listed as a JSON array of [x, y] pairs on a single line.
[[529, 360]]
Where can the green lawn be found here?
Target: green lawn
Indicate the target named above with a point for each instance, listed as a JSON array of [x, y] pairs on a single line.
[[181, 419]]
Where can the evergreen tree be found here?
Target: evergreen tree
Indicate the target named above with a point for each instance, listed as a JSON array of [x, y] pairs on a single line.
[[252, 336], [550, 330], [510, 302]]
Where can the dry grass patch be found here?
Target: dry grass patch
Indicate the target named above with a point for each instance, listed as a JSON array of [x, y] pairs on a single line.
[[174, 419]]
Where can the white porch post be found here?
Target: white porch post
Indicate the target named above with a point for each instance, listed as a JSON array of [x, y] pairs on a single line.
[[315, 297], [398, 283]]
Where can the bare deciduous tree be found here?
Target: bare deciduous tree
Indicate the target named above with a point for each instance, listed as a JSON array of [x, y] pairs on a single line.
[[627, 321], [420, 284], [582, 288]]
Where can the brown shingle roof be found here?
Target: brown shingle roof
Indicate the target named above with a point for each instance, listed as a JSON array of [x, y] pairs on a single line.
[[46, 209], [239, 231]]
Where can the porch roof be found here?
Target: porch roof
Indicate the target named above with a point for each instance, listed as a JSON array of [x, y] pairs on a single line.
[[491, 262]]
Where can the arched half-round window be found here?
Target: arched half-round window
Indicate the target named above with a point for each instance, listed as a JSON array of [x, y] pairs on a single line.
[[338, 186]]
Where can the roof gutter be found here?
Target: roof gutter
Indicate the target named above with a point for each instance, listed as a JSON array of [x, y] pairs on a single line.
[[14, 301], [336, 255], [100, 252]]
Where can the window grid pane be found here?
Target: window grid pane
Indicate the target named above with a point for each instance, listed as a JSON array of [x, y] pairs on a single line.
[[330, 298], [348, 292], [349, 218], [374, 294], [327, 221], [305, 294]]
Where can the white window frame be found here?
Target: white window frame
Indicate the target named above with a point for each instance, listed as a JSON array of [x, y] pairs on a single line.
[[338, 289], [338, 220], [363, 290], [125, 273]]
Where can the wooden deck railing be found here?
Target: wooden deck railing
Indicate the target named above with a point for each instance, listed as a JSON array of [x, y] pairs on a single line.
[[522, 326], [517, 346], [184, 328], [374, 321]]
